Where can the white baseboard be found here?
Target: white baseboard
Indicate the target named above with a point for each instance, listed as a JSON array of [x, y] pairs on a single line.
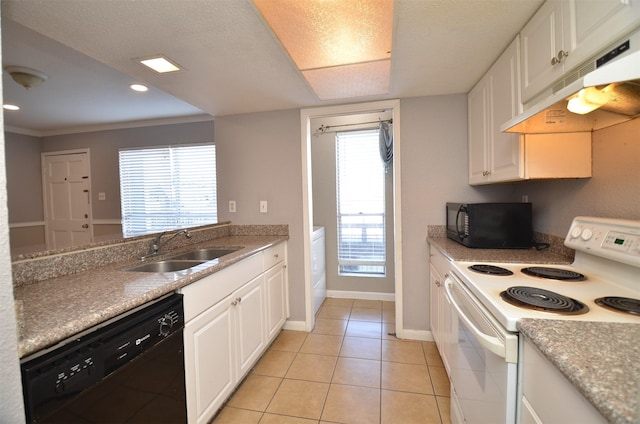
[[422, 335], [389, 297], [295, 325]]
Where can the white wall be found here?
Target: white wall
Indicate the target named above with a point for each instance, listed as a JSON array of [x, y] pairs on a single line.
[[11, 408]]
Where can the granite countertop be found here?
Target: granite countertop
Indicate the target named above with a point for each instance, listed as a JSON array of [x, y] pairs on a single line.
[[457, 252], [53, 310], [602, 360]]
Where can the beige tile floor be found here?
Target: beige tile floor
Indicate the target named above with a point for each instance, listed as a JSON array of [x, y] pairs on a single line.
[[347, 370]]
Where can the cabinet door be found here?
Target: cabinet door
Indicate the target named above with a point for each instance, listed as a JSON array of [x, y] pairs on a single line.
[[505, 150], [276, 288], [250, 327], [541, 41], [209, 364], [592, 25], [478, 116]]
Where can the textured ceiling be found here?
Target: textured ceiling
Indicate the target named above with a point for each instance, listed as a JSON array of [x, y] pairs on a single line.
[[232, 61]]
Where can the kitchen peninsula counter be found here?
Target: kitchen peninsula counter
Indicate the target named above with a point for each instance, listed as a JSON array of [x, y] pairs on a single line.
[[55, 309], [599, 358]]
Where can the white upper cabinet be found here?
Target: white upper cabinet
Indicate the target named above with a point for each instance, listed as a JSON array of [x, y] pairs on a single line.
[[541, 47], [495, 156], [564, 34]]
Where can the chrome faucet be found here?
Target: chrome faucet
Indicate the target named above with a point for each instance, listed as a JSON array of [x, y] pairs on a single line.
[[156, 245]]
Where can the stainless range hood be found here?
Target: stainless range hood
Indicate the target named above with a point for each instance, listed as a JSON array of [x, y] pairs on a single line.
[[611, 92]]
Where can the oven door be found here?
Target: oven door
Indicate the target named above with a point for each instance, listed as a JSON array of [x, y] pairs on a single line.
[[483, 361]]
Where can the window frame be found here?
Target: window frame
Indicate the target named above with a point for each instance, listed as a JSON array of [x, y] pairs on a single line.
[[166, 187], [363, 257]]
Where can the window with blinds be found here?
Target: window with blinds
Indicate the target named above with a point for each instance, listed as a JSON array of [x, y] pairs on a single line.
[[360, 204], [168, 187]]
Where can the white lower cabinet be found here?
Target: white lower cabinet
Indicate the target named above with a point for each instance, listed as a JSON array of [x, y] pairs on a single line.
[[276, 291], [209, 360], [232, 316], [248, 313], [547, 396]]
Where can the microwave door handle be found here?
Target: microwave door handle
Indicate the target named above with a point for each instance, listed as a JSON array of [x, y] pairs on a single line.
[[493, 344], [461, 234]]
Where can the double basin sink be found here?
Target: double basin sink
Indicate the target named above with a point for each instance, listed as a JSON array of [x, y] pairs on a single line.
[[184, 261]]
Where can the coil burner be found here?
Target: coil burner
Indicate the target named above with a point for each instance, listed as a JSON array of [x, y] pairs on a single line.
[[490, 269], [620, 304], [543, 300], [553, 273]]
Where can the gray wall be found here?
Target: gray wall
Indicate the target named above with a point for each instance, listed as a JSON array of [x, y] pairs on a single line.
[[612, 192], [434, 171], [259, 158], [24, 177], [323, 165], [104, 147]]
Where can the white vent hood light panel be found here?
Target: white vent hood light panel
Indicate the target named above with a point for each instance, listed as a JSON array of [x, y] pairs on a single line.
[[551, 115]]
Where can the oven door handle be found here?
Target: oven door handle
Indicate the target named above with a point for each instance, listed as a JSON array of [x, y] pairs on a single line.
[[493, 344]]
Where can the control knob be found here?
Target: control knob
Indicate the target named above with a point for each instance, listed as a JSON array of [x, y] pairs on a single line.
[[166, 323], [586, 234], [575, 232]]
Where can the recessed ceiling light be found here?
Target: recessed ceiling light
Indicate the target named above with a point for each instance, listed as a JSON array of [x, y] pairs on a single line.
[[139, 87], [11, 107], [160, 64]]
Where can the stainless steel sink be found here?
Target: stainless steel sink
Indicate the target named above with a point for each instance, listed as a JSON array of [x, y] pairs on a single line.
[[165, 266], [204, 254]]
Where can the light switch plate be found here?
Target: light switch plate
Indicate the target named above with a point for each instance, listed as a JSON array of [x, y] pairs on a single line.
[[263, 206], [232, 205]]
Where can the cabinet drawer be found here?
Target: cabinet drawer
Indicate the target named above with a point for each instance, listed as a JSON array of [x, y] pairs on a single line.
[[438, 260], [274, 255], [204, 293]]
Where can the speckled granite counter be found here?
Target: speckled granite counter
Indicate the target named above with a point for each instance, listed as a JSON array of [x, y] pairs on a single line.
[[52, 310], [457, 252], [601, 359]]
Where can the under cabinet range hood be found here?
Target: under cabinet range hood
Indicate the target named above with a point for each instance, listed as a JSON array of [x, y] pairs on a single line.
[[606, 96]]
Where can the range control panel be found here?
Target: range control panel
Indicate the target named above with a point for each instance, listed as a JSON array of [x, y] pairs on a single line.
[[615, 239]]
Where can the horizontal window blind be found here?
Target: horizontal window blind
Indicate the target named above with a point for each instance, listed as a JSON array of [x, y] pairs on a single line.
[[361, 203], [168, 187]]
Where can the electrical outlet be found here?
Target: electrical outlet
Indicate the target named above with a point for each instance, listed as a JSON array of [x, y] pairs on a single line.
[[102, 195], [232, 205], [525, 198], [263, 206]]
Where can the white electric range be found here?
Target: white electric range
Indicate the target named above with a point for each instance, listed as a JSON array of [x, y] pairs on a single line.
[[482, 349], [606, 265]]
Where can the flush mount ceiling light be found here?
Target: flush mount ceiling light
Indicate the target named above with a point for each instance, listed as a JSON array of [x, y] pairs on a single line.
[[329, 38], [160, 64], [26, 77], [139, 88]]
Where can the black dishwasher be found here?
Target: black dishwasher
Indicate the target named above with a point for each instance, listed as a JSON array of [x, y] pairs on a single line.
[[128, 371]]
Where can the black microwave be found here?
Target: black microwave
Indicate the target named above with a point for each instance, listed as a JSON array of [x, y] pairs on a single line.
[[490, 225]]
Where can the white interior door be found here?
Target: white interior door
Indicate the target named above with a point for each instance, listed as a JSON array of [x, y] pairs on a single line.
[[67, 199]]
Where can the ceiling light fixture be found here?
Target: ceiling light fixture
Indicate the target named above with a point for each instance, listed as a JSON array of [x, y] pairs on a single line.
[[139, 88], [160, 64], [26, 77], [8, 106], [328, 38]]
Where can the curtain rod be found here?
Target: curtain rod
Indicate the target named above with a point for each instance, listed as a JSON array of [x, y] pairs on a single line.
[[324, 128]]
